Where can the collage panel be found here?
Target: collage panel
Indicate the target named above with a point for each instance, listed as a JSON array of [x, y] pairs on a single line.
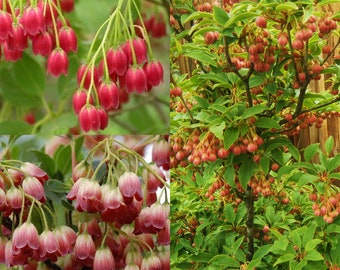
[[84, 202], [100, 67], [254, 134], [84, 144]]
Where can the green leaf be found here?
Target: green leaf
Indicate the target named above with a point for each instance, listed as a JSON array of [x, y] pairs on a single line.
[[198, 54], [264, 164], [261, 252], [231, 135], [246, 171], [240, 17], [288, 6], [266, 122], [256, 81], [333, 163], [306, 179], [253, 264], [63, 159], [57, 186], [284, 258], [198, 239], [309, 234], [326, 2], [329, 144], [253, 111], [15, 93], [220, 16], [229, 213], [229, 176], [202, 102], [47, 163], [59, 125], [224, 260], [271, 88], [311, 244], [197, 15], [310, 151], [295, 238], [270, 214], [29, 75], [67, 204], [15, 128], [218, 130], [203, 257], [236, 245], [313, 255], [281, 243]]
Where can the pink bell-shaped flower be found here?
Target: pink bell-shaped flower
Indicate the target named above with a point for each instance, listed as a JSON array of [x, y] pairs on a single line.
[[89, 197], [130, 186], [33, 187], [85, 249], [49, 246], [103, 259], [151, 262], [25, 239], [34, 171]]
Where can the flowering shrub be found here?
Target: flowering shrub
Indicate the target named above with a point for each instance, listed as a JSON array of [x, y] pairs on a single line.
[[84, 202], [109, 73], [244, 196]]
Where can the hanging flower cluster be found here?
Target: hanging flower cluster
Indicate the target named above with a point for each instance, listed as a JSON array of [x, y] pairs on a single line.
[[121, 217], [122, 64], [41, 26]]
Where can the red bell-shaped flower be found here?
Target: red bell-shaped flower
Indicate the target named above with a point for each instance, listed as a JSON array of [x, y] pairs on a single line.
[[33, 20], [68, 39], [57, 62], [5, 24], [85, 76], [135, 80], [139, 48], [104, 118], [17, 39], [117, 61], [42, 44], [89, 118], [79, 100], [154, 73], [108, 94]]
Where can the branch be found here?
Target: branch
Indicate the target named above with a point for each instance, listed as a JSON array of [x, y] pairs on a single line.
[[245, 79], [322, 105], [331, 52]]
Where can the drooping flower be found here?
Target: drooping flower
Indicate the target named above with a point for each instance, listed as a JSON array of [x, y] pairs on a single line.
[[130, 186], [103, 259]]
